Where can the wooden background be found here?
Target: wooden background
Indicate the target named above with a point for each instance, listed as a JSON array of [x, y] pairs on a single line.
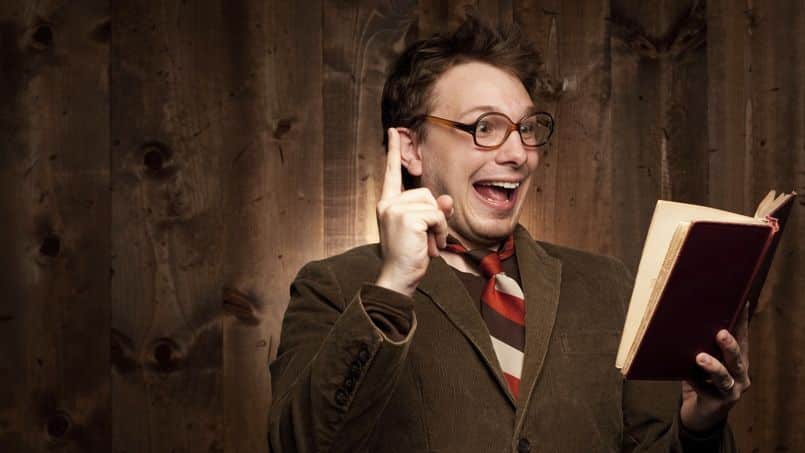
[[167, 166]]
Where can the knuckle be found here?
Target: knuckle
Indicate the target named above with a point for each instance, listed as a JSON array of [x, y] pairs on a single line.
[[390, 213], [412, 222], [393, 209], [402, 215], [733, 347], [425, 193]]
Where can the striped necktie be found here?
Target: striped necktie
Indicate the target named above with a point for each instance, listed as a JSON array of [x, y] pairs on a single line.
[[502, 308]]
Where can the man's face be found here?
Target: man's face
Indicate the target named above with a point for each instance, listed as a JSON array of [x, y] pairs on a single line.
[[484, 212]]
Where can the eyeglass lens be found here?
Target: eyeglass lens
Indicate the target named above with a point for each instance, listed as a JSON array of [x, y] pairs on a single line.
[[492, 129]]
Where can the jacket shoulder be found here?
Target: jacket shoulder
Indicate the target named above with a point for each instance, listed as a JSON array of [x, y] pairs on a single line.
[[345, 272], [581, 259], [358, 260], [592, 269]]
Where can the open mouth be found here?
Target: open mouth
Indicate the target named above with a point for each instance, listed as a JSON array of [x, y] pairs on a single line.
[[497, 192]]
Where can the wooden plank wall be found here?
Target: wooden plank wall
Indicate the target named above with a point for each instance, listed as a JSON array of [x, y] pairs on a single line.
[[167, 167], [756, 124], [55, 386]]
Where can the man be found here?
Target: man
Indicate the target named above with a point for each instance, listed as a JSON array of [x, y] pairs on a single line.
[[459, 332]]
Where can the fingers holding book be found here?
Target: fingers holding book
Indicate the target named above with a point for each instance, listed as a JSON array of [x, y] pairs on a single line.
[[733, 379], [706, 402], [726, 380]]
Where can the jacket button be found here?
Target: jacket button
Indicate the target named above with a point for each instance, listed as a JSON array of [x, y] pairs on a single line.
[[363, 355], [340, 397], [355, 369], [349, 384], [523, 445]]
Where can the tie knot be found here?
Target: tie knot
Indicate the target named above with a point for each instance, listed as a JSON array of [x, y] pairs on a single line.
[[488, 261], [490, 264]]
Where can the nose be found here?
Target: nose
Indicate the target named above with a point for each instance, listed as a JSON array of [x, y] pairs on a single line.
[[512, 152]]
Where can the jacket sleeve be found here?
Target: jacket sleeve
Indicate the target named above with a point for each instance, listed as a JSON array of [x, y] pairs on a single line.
[[337, 364], [651, 420]]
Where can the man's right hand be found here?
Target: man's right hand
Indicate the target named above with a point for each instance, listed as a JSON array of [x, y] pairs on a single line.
[[412, 223]]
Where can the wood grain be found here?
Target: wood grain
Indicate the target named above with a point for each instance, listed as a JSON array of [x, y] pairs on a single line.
[[539, 22], [167, 218], [775, 156], [659, 128], [272, 147], [636, 137], [729, 131], [362, 39], [54, 168], [432, 18], [582, 215]]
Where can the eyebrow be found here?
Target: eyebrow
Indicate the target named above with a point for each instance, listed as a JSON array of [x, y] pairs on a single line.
[[488, 108], [480, 108], [530, 110]]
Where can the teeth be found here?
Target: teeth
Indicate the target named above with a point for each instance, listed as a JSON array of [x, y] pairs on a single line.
[[505, 185]]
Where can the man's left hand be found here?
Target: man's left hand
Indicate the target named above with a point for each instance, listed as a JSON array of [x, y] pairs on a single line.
[[706, 404]]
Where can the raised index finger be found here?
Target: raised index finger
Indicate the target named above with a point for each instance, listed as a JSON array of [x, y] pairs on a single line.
[[392, 183]]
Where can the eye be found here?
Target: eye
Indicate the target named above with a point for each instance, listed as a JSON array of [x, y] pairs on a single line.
[[527, 128], [484, 127]]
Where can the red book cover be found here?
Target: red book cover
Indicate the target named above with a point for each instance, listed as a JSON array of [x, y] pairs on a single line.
[[705, 291]]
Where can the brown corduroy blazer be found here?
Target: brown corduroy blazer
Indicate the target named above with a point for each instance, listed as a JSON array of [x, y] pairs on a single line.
[[341, 385]]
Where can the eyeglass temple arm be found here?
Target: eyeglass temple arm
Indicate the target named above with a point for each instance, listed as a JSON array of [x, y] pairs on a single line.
[[464, 127]]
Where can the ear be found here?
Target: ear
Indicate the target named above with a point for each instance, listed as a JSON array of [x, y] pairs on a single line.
[[410, 152]]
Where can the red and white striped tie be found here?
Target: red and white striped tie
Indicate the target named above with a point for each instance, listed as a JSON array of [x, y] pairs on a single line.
[[502, 308]]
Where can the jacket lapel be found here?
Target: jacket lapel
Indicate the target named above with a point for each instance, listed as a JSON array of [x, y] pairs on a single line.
[[541, 276], [446, 290]]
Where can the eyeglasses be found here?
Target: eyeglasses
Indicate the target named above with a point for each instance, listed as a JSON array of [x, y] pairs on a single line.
[[492, 129]]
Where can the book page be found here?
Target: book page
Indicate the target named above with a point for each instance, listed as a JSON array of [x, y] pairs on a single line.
[[668, 262], [771, 203], [764, 205], [667, 217]]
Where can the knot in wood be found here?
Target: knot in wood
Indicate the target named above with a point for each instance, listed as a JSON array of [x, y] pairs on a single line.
[[156, 159], [42, 37], [102, 32], [240, 305], [58, 424], [283, 126], [51, 246], [153, 159], [165, 355]]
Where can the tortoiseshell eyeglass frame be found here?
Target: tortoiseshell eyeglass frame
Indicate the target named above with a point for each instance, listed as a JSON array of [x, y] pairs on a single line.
[[512, 126]]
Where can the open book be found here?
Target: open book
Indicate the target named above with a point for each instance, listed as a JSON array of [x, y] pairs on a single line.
[[699, 268]]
